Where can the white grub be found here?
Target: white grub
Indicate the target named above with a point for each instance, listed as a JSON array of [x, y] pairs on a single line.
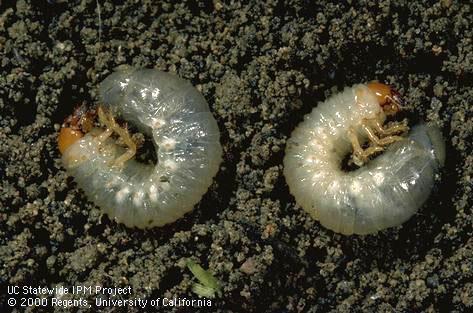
[[384, 192], [160, 105]]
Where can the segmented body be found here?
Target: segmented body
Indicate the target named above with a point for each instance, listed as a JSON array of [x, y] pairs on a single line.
[[385, 192], [186, 137]]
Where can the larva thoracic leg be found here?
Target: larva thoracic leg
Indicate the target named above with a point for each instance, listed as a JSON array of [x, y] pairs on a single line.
[[175, 115], [108, 120], [384, 191]]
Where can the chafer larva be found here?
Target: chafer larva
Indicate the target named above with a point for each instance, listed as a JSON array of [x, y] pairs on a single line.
[[384, 191], [176, 116]]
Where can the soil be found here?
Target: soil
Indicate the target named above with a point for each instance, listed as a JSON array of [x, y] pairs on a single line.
[[262, 66]]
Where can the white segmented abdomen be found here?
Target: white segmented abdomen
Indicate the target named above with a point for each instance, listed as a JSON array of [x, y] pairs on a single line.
[[186, 137], [383, 193]]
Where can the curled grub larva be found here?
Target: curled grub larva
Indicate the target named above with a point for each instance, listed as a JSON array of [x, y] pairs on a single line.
[[175, 115], [384, 191]]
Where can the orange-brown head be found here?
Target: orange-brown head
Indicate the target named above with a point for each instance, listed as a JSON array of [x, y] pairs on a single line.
[[74, 127], [67, 137], [387, 97]]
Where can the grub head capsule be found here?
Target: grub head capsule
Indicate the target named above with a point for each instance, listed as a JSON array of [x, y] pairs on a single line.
[[387, 97], [67, 137]]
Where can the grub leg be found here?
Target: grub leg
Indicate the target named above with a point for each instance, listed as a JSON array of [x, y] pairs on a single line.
[[396, 128], [131, 145], [361, 156], [379, 141], [112, 126]]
